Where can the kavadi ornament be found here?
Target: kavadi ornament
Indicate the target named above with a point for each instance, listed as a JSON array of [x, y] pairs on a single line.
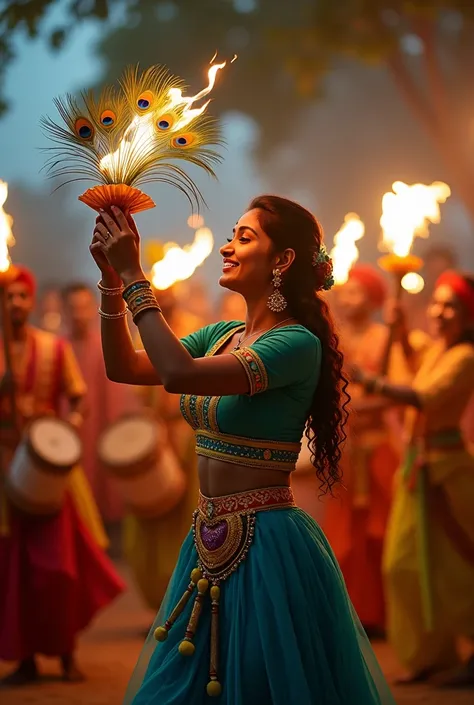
[[131, 134]]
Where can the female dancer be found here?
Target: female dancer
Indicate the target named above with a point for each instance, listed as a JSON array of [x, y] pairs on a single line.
[[277, 627], [429, 553]]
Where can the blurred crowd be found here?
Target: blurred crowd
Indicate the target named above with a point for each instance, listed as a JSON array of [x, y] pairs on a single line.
[[355, 520]]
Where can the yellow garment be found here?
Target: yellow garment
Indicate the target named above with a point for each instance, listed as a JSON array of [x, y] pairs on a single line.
[[151, 546], [86, 507], [444, 383]]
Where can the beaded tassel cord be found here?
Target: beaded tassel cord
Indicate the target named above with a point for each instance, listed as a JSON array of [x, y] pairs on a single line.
[[161, 633], [187, 648], [214, 688]]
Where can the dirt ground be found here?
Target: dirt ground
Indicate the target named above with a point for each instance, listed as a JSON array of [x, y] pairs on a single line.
[[108, 651]]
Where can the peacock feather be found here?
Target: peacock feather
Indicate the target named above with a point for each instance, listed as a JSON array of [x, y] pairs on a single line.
[[131, 134]]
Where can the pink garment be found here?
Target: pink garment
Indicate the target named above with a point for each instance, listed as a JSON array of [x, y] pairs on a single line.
[[105, 402], [54, 580]]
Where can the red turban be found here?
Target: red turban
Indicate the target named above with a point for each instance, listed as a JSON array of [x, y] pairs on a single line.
[[461, 288], [372, 281], [25, 276]]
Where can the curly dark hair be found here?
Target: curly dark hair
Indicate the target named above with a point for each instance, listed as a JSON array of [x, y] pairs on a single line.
[[289, 225]]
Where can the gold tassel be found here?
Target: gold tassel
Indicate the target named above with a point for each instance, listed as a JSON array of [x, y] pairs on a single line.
[[161, 633], [214, 688], [187, 648]]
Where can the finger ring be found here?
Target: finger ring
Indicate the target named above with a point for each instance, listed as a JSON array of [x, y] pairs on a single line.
[[107, 235]]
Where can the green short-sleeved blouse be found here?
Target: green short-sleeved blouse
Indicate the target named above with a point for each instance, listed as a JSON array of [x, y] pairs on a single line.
[[263, 428]]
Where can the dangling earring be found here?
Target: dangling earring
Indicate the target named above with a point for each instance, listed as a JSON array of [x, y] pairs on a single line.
[[276, 301]]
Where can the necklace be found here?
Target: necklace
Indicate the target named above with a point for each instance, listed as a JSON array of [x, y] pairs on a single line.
[[263, 330]]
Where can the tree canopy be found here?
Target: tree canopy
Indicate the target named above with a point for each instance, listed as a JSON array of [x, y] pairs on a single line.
[[285, 50]]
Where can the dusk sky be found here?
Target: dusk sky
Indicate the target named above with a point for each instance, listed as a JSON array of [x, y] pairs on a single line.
[[342, 158]]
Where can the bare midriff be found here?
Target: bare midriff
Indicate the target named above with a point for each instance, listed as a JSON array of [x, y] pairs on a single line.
[[217, 478]]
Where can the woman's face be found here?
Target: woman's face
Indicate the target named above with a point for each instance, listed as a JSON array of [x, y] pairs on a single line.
[[249, 258], [446, 314]]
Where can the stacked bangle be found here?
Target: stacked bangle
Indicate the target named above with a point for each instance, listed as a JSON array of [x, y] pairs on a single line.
[[139, 297], [109, 292], [112, 316]]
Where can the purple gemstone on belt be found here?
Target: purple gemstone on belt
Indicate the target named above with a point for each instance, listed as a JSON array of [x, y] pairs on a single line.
[[213, 537]]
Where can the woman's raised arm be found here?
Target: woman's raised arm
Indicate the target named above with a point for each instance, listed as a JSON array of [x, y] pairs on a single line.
[[122, 362]]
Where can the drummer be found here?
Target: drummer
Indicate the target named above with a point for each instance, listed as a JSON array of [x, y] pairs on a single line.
[[54, 573]]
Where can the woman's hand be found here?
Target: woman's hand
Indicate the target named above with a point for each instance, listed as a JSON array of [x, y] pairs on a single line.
[[120, 244], [109, 276]]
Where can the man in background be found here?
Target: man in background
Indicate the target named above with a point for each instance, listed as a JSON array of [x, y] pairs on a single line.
[[105, 401], [54, 576]]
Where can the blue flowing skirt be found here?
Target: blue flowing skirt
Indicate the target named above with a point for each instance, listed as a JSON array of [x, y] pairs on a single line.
[[287, 630]]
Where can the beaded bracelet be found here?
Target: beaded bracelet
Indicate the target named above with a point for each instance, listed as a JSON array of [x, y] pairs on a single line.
[[142, 302], [140, 285], [115, 315], [139, 297], [109, 292], [145, 306]]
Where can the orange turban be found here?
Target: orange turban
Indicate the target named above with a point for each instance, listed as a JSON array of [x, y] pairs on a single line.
[[372, 281], [24, 276]]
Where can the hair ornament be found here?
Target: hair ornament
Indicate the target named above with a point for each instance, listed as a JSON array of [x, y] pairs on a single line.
[[322, 263]]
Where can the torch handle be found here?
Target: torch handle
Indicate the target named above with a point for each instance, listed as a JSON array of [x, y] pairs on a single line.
[[7, 336], [385, 361]]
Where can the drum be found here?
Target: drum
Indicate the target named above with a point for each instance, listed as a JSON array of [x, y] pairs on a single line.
[[135, 450], [39, 472]]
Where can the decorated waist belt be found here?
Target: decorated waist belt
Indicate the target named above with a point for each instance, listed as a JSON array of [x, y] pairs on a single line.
[[223, 529]]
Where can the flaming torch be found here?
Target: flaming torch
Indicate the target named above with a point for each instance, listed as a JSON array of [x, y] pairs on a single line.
[[6, 237], [345, 253], [179, 263], [407, 211], [6, 269]]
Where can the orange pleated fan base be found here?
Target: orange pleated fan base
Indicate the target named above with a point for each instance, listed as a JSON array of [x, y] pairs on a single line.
[[124, 197]]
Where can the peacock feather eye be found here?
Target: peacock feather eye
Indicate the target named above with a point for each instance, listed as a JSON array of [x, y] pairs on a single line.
[[144, 100], [183, 141], [165, 122], [108, 118], [84, 128]]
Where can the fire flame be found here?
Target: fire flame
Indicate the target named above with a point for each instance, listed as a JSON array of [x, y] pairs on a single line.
[[141, 128], [407, 212], [179, 263], [189, 112], [6, 234], [345, 252], [413, 283]]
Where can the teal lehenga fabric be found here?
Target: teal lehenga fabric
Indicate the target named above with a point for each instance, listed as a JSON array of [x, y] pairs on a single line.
[[287, 632]]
